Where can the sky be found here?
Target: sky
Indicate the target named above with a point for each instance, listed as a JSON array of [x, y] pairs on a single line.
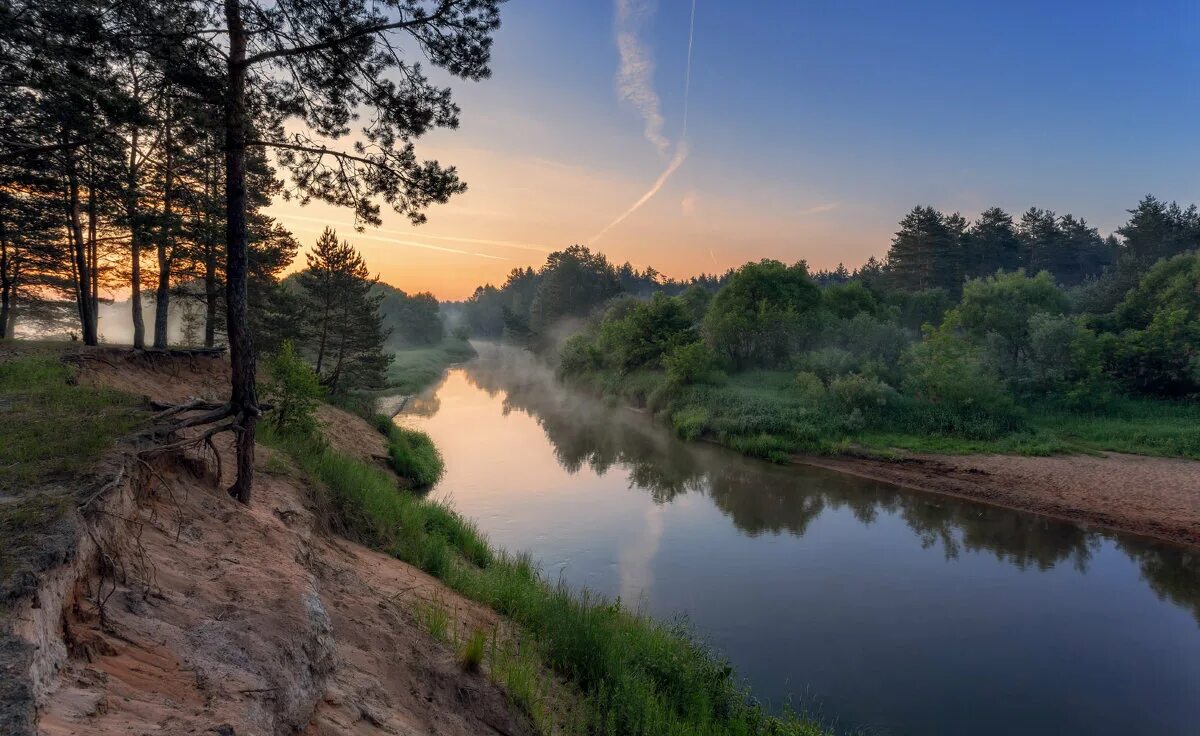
[[811, 128]]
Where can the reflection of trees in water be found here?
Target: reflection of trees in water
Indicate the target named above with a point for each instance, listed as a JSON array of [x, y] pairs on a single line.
[[1172, 572], [763, 498]]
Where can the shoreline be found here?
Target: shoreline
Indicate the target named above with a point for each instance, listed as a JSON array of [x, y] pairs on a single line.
[[1152, 497]]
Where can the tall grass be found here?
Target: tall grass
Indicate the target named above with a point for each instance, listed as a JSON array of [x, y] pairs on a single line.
[[412, 454], [636, 675]]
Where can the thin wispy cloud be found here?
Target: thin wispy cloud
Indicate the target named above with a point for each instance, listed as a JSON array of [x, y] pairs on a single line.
[[408, 241], [396, 241], [635, 75], [817, 209], [635, 83]]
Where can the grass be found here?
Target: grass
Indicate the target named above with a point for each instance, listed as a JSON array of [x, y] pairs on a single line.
[[470, 654], [411, 453], [413, 369], [636, 676], [52, 427]]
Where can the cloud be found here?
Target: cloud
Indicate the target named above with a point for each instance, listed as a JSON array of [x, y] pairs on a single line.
[[635, 75], [635, 84], [817, 209], [397, 241]]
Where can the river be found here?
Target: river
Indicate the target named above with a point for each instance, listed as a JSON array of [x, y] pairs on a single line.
[[881, 609]]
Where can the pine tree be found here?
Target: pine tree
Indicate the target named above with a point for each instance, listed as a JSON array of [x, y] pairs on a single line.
[[926, 252], [991, 245], [342, 315]]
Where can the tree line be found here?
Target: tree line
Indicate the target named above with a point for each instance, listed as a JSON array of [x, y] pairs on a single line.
[[141, 139]]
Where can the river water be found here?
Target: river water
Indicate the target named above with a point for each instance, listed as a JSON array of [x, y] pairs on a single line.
[[882, 609]]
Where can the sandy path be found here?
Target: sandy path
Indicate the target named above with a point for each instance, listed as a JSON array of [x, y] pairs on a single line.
[[1150, 496]]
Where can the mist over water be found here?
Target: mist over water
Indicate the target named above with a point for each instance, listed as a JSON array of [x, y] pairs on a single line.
[[897, 611]]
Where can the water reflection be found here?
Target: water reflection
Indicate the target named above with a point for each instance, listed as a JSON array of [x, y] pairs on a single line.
[[899, 611], [762, 498]]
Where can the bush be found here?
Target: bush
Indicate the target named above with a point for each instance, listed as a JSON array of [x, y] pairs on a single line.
[[690, 363], [294, 389], [952, 390], [414, 456], [858, 393], [578, 355], [810, 388]]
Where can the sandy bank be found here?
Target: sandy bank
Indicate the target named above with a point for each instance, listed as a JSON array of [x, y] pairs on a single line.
[[1149, 496]]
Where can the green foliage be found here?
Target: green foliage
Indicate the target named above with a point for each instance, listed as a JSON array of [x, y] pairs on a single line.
[[53, 427], [1157, 350], [341, 303], [690, 422], [294, 390], [689, 363], [996, 311], [762, 314], [636, 334], [414, 456], [579, 354], [810, 387], [412, 320], [953, 389], [856, 392]]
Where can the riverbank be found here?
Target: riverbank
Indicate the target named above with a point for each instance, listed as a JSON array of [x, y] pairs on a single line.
[[1149, 496], [421, 629], [1134, 470], [413, 369]]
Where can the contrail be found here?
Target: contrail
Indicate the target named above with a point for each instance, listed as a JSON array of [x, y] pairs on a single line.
[[633, 81], [687, 80], [680, 155]]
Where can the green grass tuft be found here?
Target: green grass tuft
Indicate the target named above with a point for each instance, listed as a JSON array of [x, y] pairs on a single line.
[[470, 655]]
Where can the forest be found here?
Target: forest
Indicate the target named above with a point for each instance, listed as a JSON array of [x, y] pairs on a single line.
[[1030, 335]]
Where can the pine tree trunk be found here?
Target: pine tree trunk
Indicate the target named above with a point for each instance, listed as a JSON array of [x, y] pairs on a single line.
[[6, 284], [83, 286], [162, 294], [92, 249], [135, 243], [243, 399], [210, 268]]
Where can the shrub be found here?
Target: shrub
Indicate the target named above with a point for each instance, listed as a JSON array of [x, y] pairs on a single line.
[[690, 363], [578, 355], [858, 393], [810, 388], [294, 389]]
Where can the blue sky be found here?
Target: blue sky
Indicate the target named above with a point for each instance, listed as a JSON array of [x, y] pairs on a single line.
[[813, 127]]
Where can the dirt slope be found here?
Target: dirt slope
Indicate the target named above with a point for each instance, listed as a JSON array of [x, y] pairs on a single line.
[[254, 619]]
